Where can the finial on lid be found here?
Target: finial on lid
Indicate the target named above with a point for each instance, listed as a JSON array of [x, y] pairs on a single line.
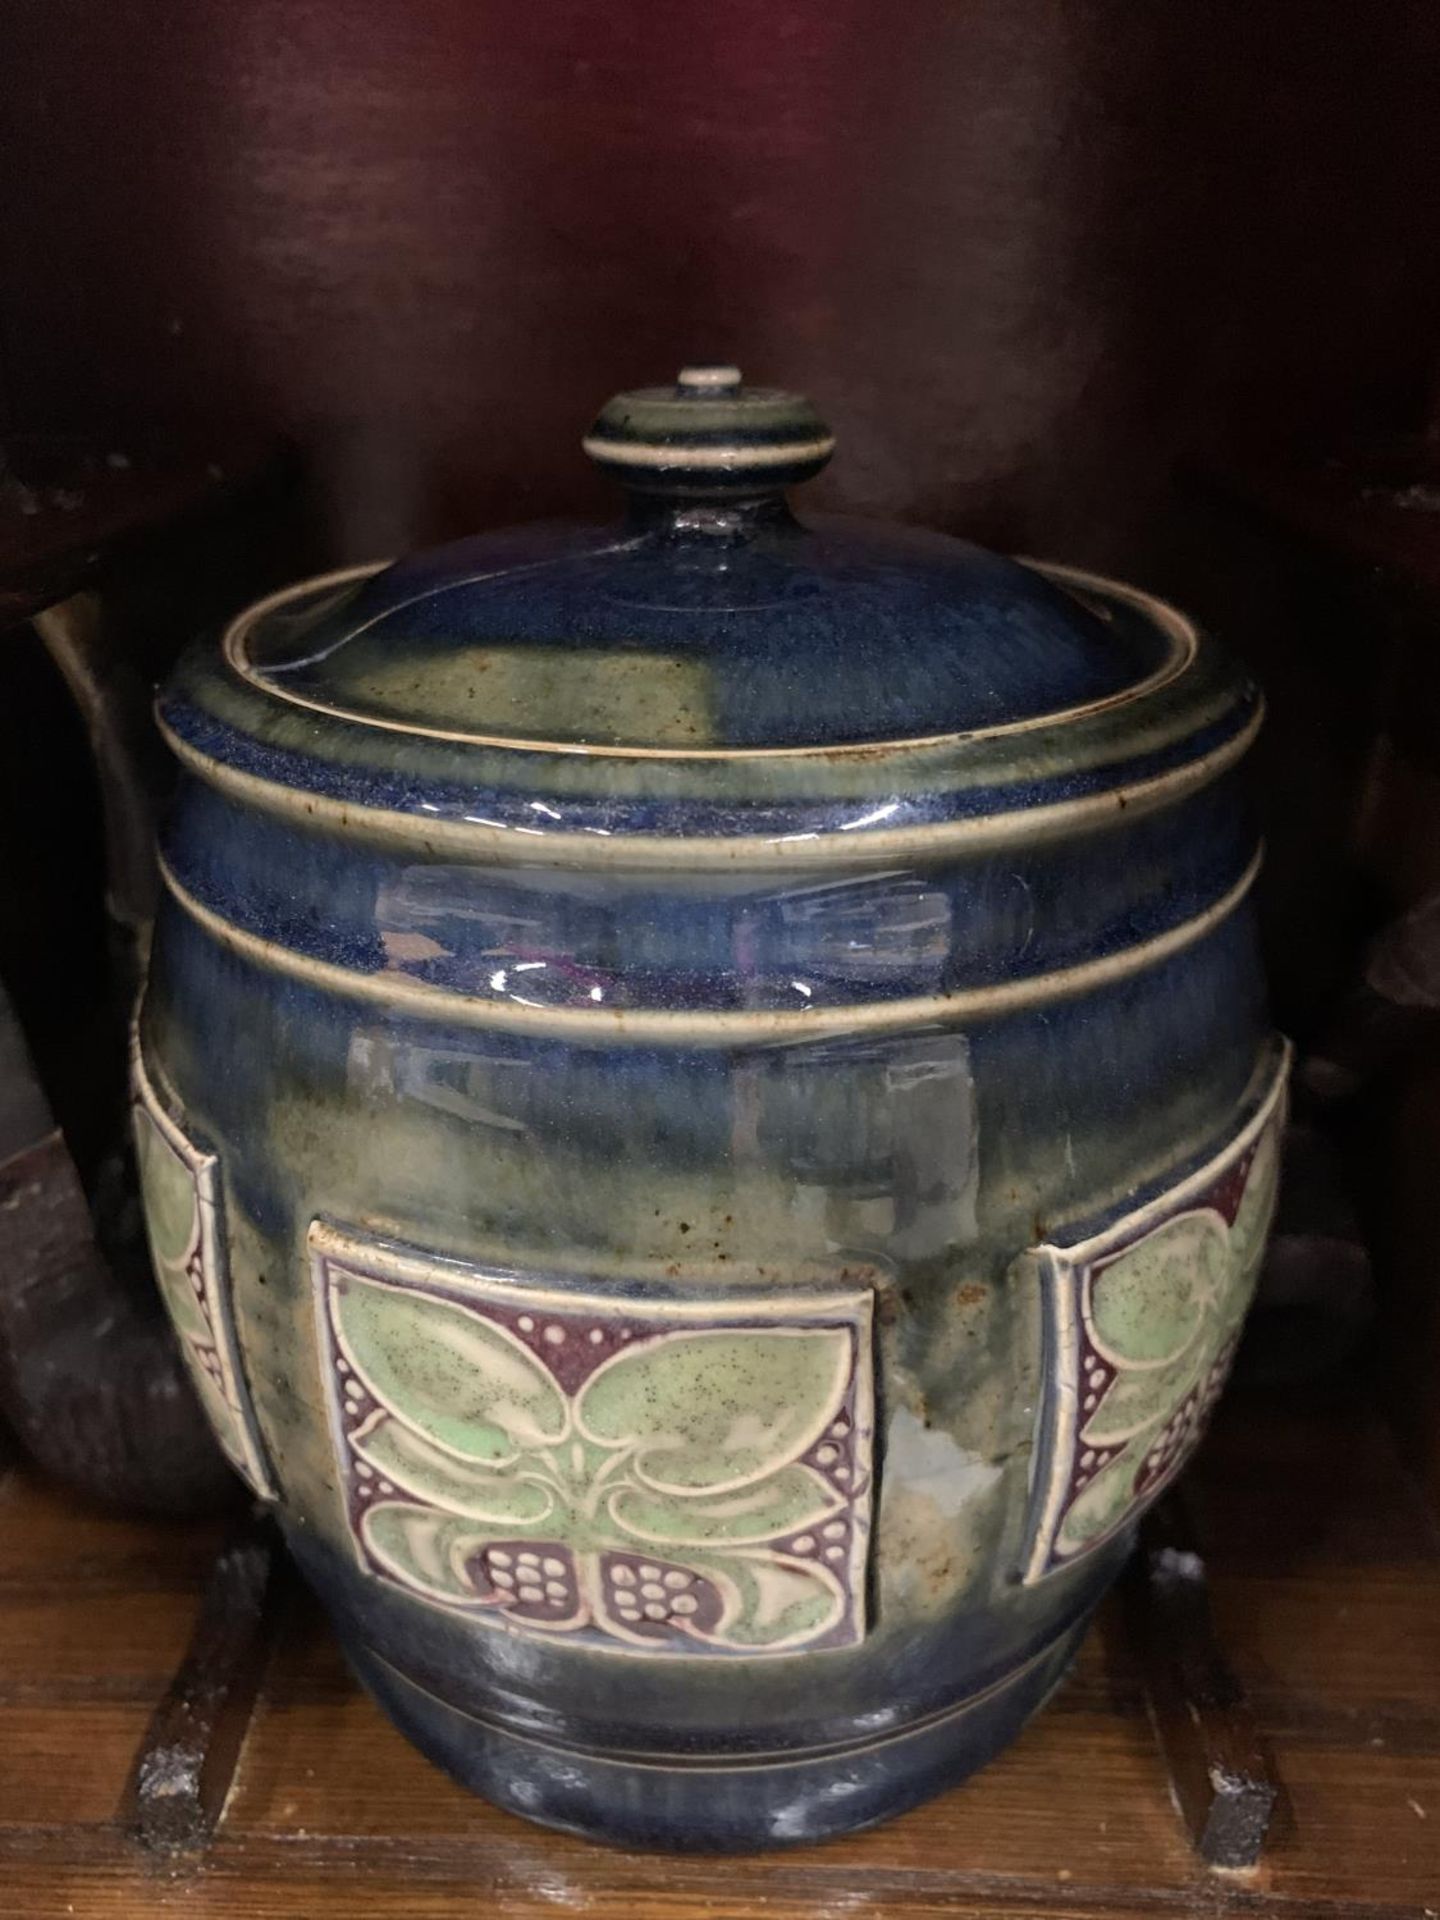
[[708, 379], [709, 435]]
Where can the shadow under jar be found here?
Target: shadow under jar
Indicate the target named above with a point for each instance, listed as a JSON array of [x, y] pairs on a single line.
[[708, 1122]]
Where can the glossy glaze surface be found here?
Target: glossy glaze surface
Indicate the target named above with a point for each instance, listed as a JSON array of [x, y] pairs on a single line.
[[635, 1153]]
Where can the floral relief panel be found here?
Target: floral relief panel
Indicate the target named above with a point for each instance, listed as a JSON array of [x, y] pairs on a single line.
[[180, 1187], [1142, 1323], [671, 1476]]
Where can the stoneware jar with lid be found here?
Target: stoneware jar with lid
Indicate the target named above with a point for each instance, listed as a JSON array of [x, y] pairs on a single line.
[[708, 1122]]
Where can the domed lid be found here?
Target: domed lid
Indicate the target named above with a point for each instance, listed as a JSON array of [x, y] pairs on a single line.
[[709, 652]]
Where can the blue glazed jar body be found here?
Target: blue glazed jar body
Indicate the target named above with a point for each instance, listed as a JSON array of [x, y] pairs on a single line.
[[709, 1255]]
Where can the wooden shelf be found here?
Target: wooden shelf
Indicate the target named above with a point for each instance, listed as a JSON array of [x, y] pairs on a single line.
[[1325, 1585]]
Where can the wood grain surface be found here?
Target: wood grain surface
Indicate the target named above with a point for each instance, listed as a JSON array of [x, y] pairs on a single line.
[[1326, 1592]]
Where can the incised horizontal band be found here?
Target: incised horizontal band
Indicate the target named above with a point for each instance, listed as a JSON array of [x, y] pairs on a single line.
[[599, 1025], [493, 841]]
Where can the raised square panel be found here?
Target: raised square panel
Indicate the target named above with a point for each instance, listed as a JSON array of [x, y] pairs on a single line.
[[1142, 1322], [669, 1476], [180, 1185]]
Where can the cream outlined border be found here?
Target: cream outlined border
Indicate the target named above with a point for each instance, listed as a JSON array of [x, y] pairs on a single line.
[[1057, 1265], [250, 1460], [735, 456], [328, 1246], [1180, 634], [723, 1027]]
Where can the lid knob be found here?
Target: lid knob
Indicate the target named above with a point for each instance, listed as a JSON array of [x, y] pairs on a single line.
[[708, 379], [709, 435]]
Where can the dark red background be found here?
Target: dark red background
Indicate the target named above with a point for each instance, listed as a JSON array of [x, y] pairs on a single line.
[[1024, 253]]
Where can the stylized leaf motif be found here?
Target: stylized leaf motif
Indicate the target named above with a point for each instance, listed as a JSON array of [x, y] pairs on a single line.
[[1147, 1305], [1134, 1402], [461, 1380], [168, 1186], [423, 1549], [507, 1496], [654, 1496], [218, 1410], [1161, 1314], [1252, 1218], [713, 1410], [772, 1600], [182, 1302], [783, 1502], [1102, 1504]]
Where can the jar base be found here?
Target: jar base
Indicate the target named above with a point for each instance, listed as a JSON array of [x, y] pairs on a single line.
[[727, 1806]]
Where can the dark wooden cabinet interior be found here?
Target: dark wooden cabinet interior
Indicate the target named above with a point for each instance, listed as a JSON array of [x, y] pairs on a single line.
[[1153, 290]]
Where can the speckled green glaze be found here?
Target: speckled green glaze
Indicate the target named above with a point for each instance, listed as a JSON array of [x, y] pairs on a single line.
[[188, 1249], [665, 1176], [1145, 1317], [676, 1478]]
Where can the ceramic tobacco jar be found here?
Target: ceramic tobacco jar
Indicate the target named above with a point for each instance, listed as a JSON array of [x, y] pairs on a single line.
[[708, 1122]]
